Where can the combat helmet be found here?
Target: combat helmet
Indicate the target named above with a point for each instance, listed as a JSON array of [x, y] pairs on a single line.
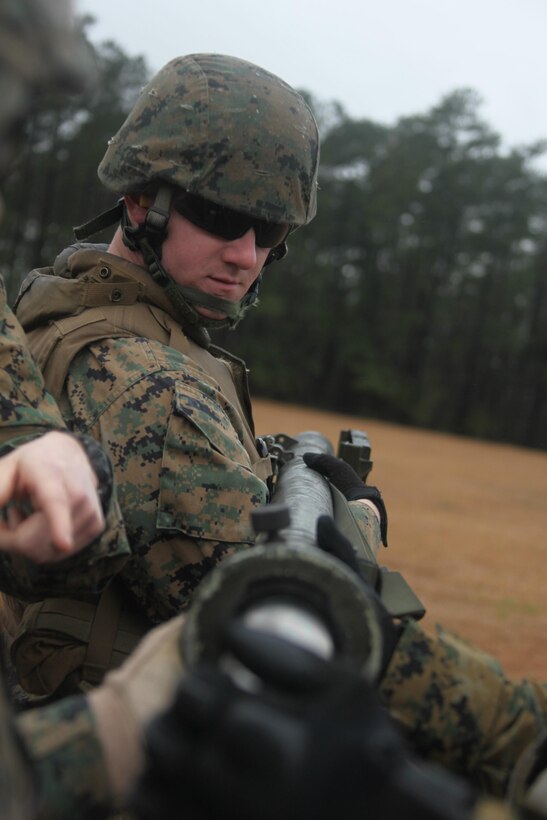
[[226, 133]]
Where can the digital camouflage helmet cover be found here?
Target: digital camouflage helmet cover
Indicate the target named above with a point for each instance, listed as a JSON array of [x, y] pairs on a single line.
[[226, 130]]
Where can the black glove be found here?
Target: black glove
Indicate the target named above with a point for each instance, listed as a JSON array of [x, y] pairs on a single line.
[[313, 744], [345, 479]]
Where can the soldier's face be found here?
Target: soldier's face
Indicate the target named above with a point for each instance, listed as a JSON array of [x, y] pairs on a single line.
[[221, 267]]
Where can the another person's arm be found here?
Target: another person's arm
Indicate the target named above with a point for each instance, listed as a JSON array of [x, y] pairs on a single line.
[[86, 753], [50, 489]]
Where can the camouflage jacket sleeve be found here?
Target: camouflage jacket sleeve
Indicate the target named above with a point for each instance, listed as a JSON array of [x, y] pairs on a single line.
[[27, 411], [459, 709], [185, 482], [67, 760], [17, 785]]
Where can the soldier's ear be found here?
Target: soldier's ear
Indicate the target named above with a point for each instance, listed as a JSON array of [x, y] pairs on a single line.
[[137, 205]]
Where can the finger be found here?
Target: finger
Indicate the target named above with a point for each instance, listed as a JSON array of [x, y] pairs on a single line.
[[52, 500], [8, 475], [327, 465], [315, 461], [87, 519], [14, 516], [73, 510], [30, 539]]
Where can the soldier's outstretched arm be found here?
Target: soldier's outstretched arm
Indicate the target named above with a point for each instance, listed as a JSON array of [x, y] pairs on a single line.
[[52, 476]]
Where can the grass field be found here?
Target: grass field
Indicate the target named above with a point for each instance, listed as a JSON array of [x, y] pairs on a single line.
[[467, 528]]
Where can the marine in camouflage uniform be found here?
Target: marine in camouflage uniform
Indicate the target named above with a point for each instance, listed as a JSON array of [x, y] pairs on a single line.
[[60, 743], [229, 147], [52, 760], [80, 757], [40, 51], [172, 411]]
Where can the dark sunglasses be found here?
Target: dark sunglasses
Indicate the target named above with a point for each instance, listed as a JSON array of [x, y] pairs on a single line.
[[228, 224]]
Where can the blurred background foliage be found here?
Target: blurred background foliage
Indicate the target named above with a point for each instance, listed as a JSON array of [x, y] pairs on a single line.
[[418, 295]]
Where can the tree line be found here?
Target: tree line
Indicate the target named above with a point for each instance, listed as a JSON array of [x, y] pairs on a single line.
[[418, 294]]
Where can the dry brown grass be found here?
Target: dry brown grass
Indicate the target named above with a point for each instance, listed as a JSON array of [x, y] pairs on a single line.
[[467, 527]]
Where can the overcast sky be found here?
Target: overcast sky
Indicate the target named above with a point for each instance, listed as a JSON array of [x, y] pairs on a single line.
[[381, 60]]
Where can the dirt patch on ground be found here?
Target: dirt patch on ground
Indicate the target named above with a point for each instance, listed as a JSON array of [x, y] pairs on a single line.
[[467, 528]]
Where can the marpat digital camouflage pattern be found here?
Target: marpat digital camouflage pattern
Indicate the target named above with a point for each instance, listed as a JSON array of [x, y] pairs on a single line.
[[458, 708], [26, 409], [16, 777], [68, 765]]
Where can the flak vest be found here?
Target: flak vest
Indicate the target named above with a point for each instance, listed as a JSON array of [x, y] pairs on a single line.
[[112, 299]]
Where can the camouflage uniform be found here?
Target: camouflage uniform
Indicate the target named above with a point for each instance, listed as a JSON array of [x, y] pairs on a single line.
[[39, 52], [16, 781], [26, 409], [187, 472], [51, 763], [458, 708]]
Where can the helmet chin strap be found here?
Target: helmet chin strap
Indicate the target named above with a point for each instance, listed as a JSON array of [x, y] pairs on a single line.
[[233, 311]]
